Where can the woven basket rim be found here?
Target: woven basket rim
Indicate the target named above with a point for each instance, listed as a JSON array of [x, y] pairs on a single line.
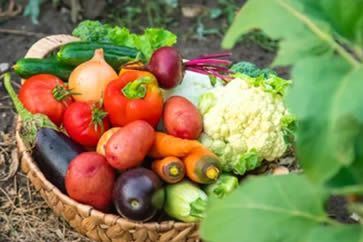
[[35, 52]]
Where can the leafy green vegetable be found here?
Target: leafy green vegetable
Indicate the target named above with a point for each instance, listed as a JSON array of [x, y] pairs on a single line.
[[152, 39], [265, 78], [251, 69], [270, 205]]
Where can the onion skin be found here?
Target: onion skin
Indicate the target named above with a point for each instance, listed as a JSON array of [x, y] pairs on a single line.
[[89, 80], [167, 65]]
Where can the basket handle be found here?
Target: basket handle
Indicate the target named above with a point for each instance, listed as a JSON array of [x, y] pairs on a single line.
[[47, 44]]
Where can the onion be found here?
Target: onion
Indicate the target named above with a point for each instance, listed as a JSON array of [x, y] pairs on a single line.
[[89, 80]]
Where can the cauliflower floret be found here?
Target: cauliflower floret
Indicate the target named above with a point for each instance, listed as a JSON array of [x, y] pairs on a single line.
[[242, 125]]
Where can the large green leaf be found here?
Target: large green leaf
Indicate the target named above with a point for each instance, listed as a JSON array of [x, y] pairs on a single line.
[[301, 26], [326, 98], [350, 178], [266, 209], [276, 18], [339, 233], [325, 95], [344, 17]]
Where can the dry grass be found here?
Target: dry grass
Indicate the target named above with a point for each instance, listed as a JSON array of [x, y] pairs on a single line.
[[24, 216]]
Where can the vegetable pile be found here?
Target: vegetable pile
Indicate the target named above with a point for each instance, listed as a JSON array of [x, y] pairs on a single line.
[[110, 124]]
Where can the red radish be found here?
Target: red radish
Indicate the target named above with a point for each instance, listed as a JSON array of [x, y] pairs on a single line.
[[167, 65]]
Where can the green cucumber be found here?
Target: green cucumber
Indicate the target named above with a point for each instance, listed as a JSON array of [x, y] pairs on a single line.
[[28, 67], [76, 53]]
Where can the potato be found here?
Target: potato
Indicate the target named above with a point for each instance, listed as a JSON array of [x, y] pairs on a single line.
[[181, 118], [128, 147], [90, 180], [101, 145]]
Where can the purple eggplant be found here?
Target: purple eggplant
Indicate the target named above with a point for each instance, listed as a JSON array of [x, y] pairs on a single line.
[[138, 194], [53, 151]]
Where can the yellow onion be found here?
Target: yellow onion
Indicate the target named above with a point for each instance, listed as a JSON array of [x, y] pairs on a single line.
[[89, 80]]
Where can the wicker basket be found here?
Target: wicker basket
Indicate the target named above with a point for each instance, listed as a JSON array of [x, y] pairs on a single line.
[[85, 219]]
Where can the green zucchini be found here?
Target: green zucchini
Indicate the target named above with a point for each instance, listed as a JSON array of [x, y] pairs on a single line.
[[28, 67], [76, 53]]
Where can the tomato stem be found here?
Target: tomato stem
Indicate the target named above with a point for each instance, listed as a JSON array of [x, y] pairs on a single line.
[[97, 117], [60, 93]]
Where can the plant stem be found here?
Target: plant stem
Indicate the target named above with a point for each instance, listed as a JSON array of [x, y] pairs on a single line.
[[17, 104], [322, 35]]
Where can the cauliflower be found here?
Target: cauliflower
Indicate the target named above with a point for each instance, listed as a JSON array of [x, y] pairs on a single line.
[[243, 124]]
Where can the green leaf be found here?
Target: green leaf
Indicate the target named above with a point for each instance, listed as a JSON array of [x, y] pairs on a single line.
[[341, 233], [344, 17], [266, 209], [328, 132], [300, 31], [32, 9], [215, 13], [147, 43], [350, 178]]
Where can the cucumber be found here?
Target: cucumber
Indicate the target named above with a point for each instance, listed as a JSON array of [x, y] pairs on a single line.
[[28, 67], [76, 53]]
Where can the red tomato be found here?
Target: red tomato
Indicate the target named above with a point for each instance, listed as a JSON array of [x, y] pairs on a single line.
[[45, 94], [85, 122]]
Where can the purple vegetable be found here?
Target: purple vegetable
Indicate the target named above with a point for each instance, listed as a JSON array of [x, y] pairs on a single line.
[[167, 66]]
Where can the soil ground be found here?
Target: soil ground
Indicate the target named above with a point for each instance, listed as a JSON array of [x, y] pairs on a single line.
[[24, 216]]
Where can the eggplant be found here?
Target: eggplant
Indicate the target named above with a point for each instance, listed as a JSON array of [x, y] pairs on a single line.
[[138, 194], [53, 151]]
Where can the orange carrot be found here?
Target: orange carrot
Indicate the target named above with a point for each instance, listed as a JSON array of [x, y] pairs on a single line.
[[170, 169], [168, 145], [202, 166]]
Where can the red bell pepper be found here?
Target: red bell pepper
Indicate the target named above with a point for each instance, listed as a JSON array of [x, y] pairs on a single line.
[[135, 95]]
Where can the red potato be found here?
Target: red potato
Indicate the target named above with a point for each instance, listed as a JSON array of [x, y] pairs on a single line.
[[181, 118], [90, 180], [128, 147]]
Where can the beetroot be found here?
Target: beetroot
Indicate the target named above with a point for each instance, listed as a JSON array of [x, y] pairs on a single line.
[[167, 65]]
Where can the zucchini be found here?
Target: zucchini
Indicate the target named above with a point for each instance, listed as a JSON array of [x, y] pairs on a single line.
[[28, 67], [76, 53]]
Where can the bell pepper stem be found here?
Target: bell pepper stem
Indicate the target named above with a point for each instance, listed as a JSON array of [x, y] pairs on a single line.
[[136, 89]]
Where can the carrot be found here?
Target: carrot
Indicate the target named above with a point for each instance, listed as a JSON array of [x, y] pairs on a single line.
[[202, 166], [166, 145], [170, 169]]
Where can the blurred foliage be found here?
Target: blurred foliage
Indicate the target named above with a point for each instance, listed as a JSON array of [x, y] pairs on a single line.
[[131, 13], [32, 10], [134, 14]]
